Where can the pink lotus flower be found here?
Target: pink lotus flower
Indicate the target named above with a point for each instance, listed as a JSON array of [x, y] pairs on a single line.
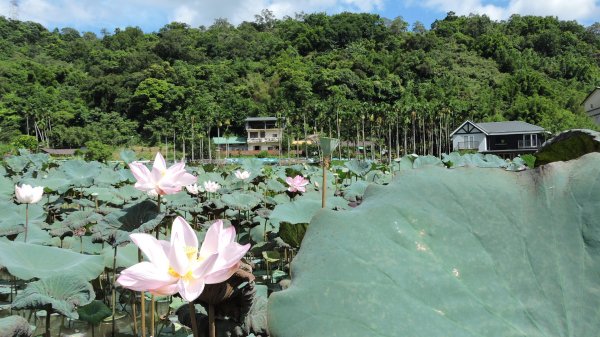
[[178, 266], [27, 194], [297, 183], [221, 241], [161, 179], [242, 175]]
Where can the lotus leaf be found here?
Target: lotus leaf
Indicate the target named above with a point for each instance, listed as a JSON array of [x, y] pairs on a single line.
[[27, 261], [378, 177], [359, 168], [78, 219], [127, 256], [14, 215], [35, 235], [128, 156], [94, 312], [53, 181], [108, 177], [241, 201], [300, 211], [17, 164], [275, 186], [15, 326], [356, 190], [254, 166], [328, 145], [454, 160], [180, 200], [464, 252], [65, 293], [568, 145], [292, 234], [423, 161], [81, 173], [7, 188]]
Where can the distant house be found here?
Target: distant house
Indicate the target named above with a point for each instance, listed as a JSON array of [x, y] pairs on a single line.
[[591, 105], [230, 143], [501, 138], [263, 133]]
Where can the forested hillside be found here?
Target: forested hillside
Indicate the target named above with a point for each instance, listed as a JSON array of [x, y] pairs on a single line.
[[348, 75]]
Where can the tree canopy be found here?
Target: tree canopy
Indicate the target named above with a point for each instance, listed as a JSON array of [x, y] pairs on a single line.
[[324, 73]]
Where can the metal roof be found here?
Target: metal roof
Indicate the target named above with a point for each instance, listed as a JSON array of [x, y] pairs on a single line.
[[510, 127], [60, 152], [229, 140], [261, 119], [589, 95]]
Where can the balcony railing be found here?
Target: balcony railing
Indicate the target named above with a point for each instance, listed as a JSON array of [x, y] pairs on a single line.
[[528, 144], [263, 140], [471, 145]]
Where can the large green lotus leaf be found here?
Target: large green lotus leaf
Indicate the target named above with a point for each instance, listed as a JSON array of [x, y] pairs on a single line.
[[568, 145], [328, 145], [53, 181], [253, 165], [15, 326], [240, 201], [94, 312], [7, 188], [464, 252], [378, 177], [35, 235], [292, 234], [275, 186], [180, 200], [108, 177], [13, 216], [78, 219], [127, 256], [39, 161], [65, 293], [17, 164], [128, 156], [299, 211], [27, 261], [360, 168], [210, 176], [356, 190], [84, 243], [427, 161], [81, 173]]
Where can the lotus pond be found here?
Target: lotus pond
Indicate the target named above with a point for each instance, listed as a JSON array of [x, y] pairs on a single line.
[[486, 248]]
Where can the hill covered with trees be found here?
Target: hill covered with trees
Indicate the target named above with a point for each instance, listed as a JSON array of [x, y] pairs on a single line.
[[352, 76]]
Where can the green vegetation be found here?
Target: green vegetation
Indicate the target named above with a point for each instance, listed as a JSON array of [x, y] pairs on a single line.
[[355, 77]]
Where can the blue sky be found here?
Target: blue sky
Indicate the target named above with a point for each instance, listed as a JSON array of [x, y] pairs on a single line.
[[150, 15]]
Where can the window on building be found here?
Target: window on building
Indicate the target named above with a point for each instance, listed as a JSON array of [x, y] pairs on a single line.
[[262, 134], [253, 134], [274, 135]]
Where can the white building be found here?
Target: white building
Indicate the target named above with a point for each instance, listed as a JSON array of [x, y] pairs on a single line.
[[264, 133], [591, 105]]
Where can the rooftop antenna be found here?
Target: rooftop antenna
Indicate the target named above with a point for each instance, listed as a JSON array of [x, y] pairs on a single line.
[[14, 10]]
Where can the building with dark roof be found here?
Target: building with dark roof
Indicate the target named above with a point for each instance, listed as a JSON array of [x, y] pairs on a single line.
[[506, 139]]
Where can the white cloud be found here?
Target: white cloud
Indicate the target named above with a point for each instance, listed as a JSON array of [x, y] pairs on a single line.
[[563, 9], [114, 13], [236, 11]]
